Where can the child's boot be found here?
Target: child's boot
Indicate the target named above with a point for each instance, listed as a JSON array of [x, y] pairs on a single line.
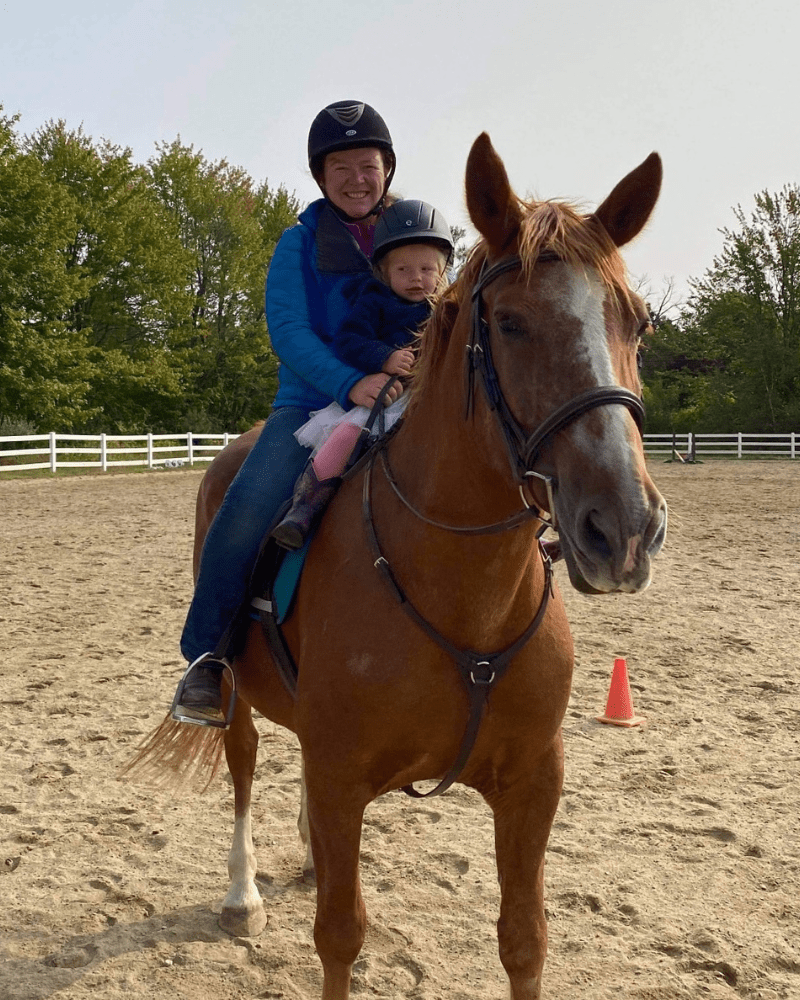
[[310, 498]]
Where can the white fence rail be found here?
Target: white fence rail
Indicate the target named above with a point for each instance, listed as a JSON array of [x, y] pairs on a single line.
[[106, 451], [53, 451], [695, 447]]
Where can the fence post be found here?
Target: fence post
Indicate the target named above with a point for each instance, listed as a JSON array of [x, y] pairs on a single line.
[[53, 463], [103, 453], [150, 451], [190, 447], [792, 446], [739, 445]]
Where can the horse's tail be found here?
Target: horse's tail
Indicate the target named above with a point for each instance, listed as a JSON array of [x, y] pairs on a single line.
[[176, 755]]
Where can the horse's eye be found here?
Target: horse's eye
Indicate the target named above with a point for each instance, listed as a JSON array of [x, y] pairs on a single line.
[[510, 327]]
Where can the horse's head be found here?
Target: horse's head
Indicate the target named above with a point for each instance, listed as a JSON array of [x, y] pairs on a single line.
[[558, 329]]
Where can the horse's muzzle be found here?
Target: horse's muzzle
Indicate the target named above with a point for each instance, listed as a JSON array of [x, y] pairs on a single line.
[[606, 553]]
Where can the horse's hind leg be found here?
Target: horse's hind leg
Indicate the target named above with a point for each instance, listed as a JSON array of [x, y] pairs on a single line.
[[242, 909], [523, 815], [302, 824], [335, 818]]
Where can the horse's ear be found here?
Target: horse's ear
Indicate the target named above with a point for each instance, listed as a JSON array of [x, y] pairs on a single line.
[[626, 210], [493, 206]]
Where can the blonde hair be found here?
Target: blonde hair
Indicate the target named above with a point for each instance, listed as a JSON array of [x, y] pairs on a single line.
[[377, 268]]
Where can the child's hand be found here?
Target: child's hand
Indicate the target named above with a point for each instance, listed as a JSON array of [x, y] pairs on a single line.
[[399, 362]]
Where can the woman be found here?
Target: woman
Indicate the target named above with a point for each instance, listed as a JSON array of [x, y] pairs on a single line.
[[351, 157]]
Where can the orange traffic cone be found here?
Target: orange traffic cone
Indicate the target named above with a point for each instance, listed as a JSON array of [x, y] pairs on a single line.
[[619, 707]]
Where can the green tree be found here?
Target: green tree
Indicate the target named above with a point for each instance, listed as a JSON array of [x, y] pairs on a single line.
[[228, 227], [677, 377], [132, 297], [45, 370], [746, 310], [127, 264]]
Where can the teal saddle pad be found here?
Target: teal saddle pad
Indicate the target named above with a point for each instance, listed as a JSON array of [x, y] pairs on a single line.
[[286, 580]]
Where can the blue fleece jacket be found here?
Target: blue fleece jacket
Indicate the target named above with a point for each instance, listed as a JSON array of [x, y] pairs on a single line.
[[308, 294], [379, 323]]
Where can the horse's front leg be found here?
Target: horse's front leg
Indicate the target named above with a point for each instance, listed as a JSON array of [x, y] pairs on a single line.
[[335, 814], [242, 909], [523, 814]]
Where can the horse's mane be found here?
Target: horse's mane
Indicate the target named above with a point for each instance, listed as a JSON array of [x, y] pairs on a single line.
[[551, 227]]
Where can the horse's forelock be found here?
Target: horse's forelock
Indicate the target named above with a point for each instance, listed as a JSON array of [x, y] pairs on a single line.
[[579, 240], [547, 227]]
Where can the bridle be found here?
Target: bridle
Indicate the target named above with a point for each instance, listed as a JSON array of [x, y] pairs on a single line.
[[523, 449], [480, 671]]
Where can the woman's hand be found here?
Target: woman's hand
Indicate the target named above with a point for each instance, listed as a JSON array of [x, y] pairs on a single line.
[[399, 362], [366, 391]]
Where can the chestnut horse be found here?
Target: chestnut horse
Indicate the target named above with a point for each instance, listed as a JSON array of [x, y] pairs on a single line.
[[526, 395]]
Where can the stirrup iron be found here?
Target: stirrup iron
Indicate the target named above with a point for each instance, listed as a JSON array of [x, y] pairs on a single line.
[[224, 723]]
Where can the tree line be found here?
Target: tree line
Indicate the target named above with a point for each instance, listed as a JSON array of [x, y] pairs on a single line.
[[132, 298], [728, 359]]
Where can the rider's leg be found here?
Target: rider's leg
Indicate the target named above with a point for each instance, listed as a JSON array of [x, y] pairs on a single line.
[[316, 486], [263, 483]]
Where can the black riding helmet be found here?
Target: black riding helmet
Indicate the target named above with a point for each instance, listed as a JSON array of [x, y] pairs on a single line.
[[411, 221], [349, 125]]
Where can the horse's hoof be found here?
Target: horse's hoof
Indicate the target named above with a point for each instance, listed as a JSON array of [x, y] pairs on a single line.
[[238, 921]]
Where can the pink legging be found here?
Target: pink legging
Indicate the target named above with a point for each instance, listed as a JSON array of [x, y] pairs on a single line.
[[332, 457]]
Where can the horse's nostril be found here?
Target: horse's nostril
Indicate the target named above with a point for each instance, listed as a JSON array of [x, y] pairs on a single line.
[[595, 536], [656, 532]]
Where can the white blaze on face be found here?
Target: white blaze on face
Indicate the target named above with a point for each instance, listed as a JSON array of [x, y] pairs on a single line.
[[606, 441], [583, 296]]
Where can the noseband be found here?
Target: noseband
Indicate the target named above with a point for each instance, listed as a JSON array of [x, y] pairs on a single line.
[[524, 449]]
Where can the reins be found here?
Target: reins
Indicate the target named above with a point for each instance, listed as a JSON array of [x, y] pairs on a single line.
[[481, 671], [513, 521]]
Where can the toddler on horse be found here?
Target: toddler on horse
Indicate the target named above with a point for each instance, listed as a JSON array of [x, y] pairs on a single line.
[[411, 251]]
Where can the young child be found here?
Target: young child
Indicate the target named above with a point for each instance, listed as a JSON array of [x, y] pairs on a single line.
[[412, 249]]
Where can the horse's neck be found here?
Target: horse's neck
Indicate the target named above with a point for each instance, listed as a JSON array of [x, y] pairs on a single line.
[[484, 587], [453, 465]]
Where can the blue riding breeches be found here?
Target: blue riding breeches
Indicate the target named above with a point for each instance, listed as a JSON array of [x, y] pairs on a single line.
[[263, 483]]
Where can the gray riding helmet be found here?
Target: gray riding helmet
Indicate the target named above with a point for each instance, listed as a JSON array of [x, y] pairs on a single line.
[[411, 221]]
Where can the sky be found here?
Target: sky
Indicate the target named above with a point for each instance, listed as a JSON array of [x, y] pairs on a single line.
[[574, 95]]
